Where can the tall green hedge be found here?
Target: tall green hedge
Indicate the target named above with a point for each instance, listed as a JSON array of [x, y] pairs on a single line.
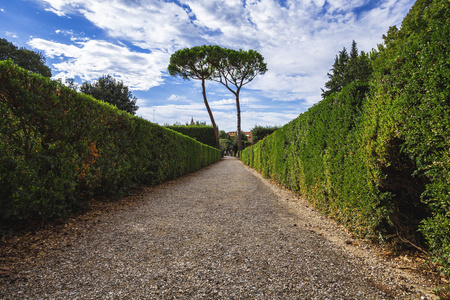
[[407, 119], [59, 147], [202, 133], [318, 155], [376, 156]]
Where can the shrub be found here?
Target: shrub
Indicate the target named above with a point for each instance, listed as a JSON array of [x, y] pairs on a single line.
[[260, 132], [202, 133]]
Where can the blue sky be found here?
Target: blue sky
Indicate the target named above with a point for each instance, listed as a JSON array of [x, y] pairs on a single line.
[[133, 40]]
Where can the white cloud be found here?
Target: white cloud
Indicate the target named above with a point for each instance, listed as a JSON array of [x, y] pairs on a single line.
[[298, 39], [94, 58], [224, 104], [173, 113], [227, 18], [253, 118], [149, 24], [11, 34], [65, 32], [174, 97]]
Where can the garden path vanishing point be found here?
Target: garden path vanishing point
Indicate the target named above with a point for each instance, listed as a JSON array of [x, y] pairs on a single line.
[[220, 233]]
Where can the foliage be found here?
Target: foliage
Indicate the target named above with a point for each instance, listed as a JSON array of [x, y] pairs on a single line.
[[225, 141], [346, 69], [226, 145], [375, 154], [260, 132], [58, 148], [224, 135], [112, 91], [198, 123], [231, 68], [71, 84], [235, 144], [229, 143], [202, 133], [193, 63], [27, 59], [410, 107], [317, 155], [234, 69]]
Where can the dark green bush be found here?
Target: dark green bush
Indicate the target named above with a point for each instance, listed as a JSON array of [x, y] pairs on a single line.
[[408, 117], [260, 132], [58, 148]]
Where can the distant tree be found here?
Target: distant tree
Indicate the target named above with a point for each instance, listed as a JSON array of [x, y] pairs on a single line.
[[108, 89], [234, 69], [71, 84], [336, 77], [391, 37], [226, 145], [260, 132], [224, 135], [364, 69], [225, 142], [231, 68], [346, 69], [243, 141], [351, 69], [192, 63], [358, 66], [27, 59]]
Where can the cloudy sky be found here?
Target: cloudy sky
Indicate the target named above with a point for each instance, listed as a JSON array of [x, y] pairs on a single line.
[[133, 40]]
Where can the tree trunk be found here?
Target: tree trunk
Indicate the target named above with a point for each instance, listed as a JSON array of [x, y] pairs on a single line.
[[216, 133], [238, 133]]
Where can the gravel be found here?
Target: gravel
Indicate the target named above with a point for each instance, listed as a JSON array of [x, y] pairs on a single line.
[[220, 233]]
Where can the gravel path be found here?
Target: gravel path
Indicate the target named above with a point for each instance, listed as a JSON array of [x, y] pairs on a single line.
[[221, 233]]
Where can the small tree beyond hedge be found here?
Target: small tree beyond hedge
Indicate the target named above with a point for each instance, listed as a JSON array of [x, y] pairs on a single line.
[[260, 132]]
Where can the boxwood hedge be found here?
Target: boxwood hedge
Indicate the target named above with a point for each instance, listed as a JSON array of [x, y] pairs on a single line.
[[202, 133], [58, 148]]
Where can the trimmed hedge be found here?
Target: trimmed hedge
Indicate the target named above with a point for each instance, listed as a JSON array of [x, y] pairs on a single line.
[[376, 156], [408, 123], [318, 155], [58, 148], [202, 133]]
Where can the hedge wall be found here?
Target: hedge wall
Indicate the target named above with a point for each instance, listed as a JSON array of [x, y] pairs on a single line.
[[59, 147], [318, 155], [407, 119], [202, 133], [377, 156]]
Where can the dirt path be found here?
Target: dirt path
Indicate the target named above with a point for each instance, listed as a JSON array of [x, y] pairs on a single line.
[[220, 233]]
